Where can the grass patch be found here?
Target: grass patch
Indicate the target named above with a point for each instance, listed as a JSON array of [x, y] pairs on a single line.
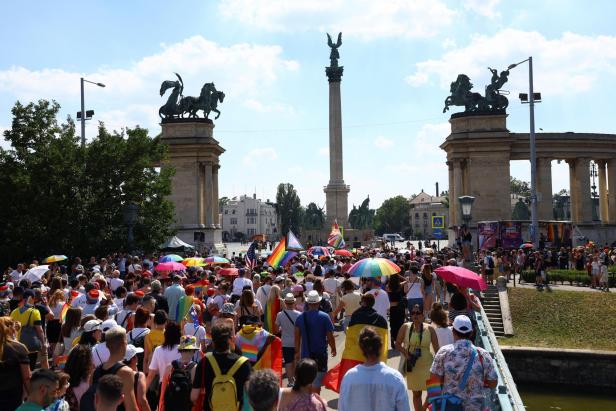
[[563, 319]]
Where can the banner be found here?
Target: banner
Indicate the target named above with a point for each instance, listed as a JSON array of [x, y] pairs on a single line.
[[487, 234], [511, 234]]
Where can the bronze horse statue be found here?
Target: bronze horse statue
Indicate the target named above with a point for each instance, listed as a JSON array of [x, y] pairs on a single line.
[[177, 106]]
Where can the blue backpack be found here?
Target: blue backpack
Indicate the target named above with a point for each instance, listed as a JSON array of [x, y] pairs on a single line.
[[451, 402]]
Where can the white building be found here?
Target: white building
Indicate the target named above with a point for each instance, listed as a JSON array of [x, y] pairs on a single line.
[[246, 217], [423, 208]]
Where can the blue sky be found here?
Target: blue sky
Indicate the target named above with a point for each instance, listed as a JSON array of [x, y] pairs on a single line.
[[269, 58]]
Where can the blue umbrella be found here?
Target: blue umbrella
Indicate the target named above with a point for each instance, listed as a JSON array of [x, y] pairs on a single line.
[[171, 258]]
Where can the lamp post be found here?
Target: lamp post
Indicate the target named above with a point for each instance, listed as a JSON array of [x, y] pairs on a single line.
[[466, 205], [130, 217], [83, 110], [534, 223]]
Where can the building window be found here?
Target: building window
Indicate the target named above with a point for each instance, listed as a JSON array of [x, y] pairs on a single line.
[[433, 214], [226, 211], [251, 220], [416, 215], [233, 220], [251, 232], [233, 211]]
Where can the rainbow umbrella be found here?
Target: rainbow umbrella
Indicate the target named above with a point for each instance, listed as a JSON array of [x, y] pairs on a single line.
[[194, 262], [55, 258], [373, 267], [171, 257], [216, 260], [318, 251], [170, 266]]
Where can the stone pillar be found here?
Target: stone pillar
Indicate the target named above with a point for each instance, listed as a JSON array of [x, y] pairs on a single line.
[[201, 194], [452, 197], [603, 201], [209, 195], [611, 191], [544, 189], [215, 196], [457, 184], [582, 174]]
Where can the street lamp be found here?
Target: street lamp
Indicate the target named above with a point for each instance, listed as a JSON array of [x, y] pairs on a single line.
[[130, 217], [466, 205], [83, 110], [532, 96]]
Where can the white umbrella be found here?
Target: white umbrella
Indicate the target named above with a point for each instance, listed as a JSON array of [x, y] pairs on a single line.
[[36, 273]]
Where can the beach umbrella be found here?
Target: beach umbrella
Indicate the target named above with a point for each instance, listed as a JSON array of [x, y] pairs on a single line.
[[55, 258], [36, 273], [526, 245], [170, 257], [373, 267], [170, 266], [343, 252], [318, 251], [462, 277], [194, 262], [216, 260], [229, 272]]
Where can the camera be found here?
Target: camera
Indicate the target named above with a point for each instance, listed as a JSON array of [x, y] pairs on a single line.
[[411, 360]]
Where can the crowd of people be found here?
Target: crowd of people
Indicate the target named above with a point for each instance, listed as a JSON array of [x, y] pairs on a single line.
[[118, 333]]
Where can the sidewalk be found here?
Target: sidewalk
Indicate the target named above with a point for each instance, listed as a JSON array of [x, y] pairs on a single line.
[[558, 286]]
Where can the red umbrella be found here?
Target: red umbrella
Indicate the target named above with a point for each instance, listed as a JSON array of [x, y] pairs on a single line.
[[462, 277], [343, 252], [170, 266], [229, 272]]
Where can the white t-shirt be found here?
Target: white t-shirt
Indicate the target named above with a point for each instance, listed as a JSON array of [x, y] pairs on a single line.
[[239, 284], [115, 283], [381, 301], [414, 289], [79, 301], [100, 354], [287, 326], [262, 294], [199, 333], [136, 333], [444, 335], [331, 285], [162, 358]]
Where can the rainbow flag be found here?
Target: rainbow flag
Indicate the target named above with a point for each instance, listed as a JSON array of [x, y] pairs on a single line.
[[278, 253], [65, 308], [200, 287], [61, 361], [183, 308], [272, 308], [336, 238], [271, 356], [288, 256], [251, 343], [434, 387]]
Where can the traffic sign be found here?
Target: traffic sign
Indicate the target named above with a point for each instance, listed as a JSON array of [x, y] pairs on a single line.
[[438, 221]]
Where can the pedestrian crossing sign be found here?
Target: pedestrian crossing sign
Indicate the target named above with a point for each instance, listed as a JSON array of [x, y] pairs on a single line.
[[438, 221]]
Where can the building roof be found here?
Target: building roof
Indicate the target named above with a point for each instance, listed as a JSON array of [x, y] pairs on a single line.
[[425, 198]]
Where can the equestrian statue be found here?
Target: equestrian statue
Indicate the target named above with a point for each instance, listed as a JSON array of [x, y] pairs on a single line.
[[494, 100], [177, 105]]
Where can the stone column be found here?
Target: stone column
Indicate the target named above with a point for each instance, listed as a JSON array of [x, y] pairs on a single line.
[[457, 184], [582, 174], [200, 193], [335, 134], [452, 198], [611, 191], [544, 189], [573, 192], [603, 201], [209, 195], [216, 198]]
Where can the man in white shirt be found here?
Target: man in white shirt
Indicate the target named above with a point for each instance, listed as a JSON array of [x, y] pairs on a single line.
[[331, 285], [115, 281], [17, 273], [238, 285], [381, 300], [372, 385], [263, 291]]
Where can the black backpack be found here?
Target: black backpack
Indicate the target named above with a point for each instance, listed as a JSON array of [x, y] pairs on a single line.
[[177, 393], [138, 341], [87, 399]]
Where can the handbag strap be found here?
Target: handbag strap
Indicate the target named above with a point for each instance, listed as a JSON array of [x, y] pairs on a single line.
[[467, 371], [29, 317], [304, 315]]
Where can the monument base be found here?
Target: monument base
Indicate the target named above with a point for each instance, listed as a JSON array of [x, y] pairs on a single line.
[[351, 237], [336, 200], [205, 239]]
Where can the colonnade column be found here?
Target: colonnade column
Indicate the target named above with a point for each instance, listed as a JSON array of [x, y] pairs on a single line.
[[457, 184], [603, 201], [544, 188], [573, 192], [611, 191], [215, 196], [582, 174], [209, 197], [452, 209]]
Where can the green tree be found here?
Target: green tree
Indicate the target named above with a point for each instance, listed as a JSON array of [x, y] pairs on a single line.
[[520, 211], [288, 208], [519, 187], [62, 198], [314, 217], [393, 216]]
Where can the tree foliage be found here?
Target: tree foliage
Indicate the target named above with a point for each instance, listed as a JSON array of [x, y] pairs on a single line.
[[393, 216], [288, 208], [60, 198], [314, 217], [519, 187]]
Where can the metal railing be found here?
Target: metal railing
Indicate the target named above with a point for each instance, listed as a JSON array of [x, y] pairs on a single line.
[[506, 396]]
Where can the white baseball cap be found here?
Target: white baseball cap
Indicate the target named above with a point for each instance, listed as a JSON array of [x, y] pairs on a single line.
[[462, 324], [92, 325], [108, 324], [131, 351]]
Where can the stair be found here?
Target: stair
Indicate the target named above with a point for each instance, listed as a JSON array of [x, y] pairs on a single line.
[[491, 305]]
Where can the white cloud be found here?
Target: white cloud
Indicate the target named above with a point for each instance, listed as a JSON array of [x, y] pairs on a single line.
[[324, 151], [485, 8], [361, 18], [573, 63], [243, 71], [383, 143], [449, 43], [259, 156]]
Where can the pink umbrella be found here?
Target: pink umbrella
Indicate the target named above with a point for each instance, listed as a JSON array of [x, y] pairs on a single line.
[[229, 272], [462, 277], [170, 266]]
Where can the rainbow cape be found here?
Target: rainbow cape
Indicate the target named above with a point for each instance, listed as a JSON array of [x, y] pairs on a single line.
[[352, 355], [272, 308], [65, 308], [336, 238], [200, 287], [288, 256], [278, 253], [183, 307], [271, 356]]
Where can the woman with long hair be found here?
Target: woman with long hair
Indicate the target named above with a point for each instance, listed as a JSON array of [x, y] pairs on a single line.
[[14, 366], [79, 367], [70, 328], [440, 322], [301, 396], [397, 306], [428, 287], [54, 325], [247, 307], [165, 354]]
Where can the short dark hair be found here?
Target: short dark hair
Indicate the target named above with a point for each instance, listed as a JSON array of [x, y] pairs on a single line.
[[173, 334], [305, 373], [368, 300], [109, 389], [43, 375], [160, 317], [263, 388], [131, 299], [370, 342], [221, 334]]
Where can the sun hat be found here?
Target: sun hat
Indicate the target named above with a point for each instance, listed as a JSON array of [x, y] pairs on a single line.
[[279, 279], [187, 343], [313, 297], [92, 325], [462, 324], [289, 298], [131, 351], [227, 308], [108, 324]]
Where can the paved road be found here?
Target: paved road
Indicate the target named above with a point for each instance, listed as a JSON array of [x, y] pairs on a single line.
[[561, 287]]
